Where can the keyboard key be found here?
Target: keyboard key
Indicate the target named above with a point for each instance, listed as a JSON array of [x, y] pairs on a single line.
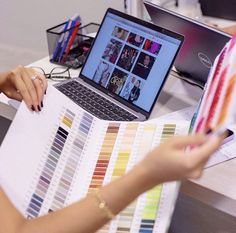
[[94, 103]]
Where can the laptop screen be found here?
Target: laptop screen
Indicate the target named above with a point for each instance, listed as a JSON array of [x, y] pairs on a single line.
[[131, 60], [201, 45]]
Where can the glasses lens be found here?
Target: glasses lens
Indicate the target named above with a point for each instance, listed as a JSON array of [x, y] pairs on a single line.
[[59, 74]]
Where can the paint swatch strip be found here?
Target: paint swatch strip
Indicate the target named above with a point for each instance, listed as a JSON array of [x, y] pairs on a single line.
[[150, 210], [120, 167], [104, 156], [49, 168], [168, 131], [72, 162], [125, 151]]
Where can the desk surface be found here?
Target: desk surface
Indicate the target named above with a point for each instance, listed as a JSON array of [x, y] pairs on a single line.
[[216, 187], [217, 22]]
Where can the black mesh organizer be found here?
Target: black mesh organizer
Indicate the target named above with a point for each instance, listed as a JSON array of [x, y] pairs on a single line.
[[67, 49]]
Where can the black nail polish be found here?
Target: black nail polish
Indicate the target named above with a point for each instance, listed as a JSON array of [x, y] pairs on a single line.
[[45, 92], [209, 131], [32, 107], [42, 104], [39, 108]]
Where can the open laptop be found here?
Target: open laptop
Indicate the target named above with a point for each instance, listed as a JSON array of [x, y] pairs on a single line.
[[125, 70], [4, 125], [219, 9], [201, 45]]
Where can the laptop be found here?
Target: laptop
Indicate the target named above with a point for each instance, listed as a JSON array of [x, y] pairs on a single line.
[[4, 125], [201, 45], [219, 9], [125, 70]]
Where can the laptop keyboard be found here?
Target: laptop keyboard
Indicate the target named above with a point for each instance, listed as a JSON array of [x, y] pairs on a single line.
[[94, 103]]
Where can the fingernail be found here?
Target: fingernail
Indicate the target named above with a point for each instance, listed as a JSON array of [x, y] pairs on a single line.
[[32, 107], [42, 104], [45, 92], [39, 108], [209, 131]]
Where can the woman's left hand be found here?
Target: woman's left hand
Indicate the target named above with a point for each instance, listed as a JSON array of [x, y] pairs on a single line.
[[169, 161], [25, 84]]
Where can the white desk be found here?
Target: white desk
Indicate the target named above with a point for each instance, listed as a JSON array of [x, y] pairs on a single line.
[[219, 22], [216, 188]]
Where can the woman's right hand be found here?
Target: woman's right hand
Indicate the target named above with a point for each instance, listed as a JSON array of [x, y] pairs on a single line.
[[170, 161]]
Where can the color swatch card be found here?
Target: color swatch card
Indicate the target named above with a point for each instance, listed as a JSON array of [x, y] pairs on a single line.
[[51, 159], [217, 108]]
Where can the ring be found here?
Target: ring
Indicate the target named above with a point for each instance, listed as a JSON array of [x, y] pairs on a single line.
[[33, 78]]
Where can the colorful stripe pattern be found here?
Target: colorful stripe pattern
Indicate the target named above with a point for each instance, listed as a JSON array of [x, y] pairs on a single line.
[[72, 163], [141, 215], [120, 168], [126, 217], [150, 210], [227, 100], [168, 131], [104, 156], [50, 165], [124, 151]]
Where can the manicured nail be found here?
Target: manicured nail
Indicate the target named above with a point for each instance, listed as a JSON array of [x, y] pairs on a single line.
[[42, 104], [39, 108], [209, 131], [32, 107], [45, 92]]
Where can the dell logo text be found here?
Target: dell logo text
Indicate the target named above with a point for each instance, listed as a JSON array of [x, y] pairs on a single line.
[[205, 60]]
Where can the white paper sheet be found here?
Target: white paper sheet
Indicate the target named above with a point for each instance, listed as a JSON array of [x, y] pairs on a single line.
[[53, 158]]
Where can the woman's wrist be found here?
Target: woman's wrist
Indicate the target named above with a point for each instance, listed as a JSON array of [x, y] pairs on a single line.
[[142, 178], [130, 186]]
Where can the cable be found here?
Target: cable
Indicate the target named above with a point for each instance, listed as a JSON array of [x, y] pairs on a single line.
[[187, 80]]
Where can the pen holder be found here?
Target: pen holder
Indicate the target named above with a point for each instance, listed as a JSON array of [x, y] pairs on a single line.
[[70, 47]]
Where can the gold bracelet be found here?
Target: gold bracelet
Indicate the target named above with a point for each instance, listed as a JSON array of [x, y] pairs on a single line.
[[103, 206]]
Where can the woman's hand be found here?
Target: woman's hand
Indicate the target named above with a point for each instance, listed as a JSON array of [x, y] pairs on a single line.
[[24, 84], [170, 161]]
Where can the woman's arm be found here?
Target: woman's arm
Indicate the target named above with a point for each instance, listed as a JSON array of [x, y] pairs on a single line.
[[165, 163], [83, 216]]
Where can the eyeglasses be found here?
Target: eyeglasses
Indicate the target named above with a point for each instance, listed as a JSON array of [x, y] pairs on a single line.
[[56, 74]]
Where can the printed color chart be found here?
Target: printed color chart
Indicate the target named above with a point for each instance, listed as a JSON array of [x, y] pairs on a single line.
[[104, 156], [48, 170], [75, 153]]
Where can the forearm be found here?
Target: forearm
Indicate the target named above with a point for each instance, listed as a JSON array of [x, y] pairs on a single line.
[[86, 216]]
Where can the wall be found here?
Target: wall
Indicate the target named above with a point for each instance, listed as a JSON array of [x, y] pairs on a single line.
[[23, 24]]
